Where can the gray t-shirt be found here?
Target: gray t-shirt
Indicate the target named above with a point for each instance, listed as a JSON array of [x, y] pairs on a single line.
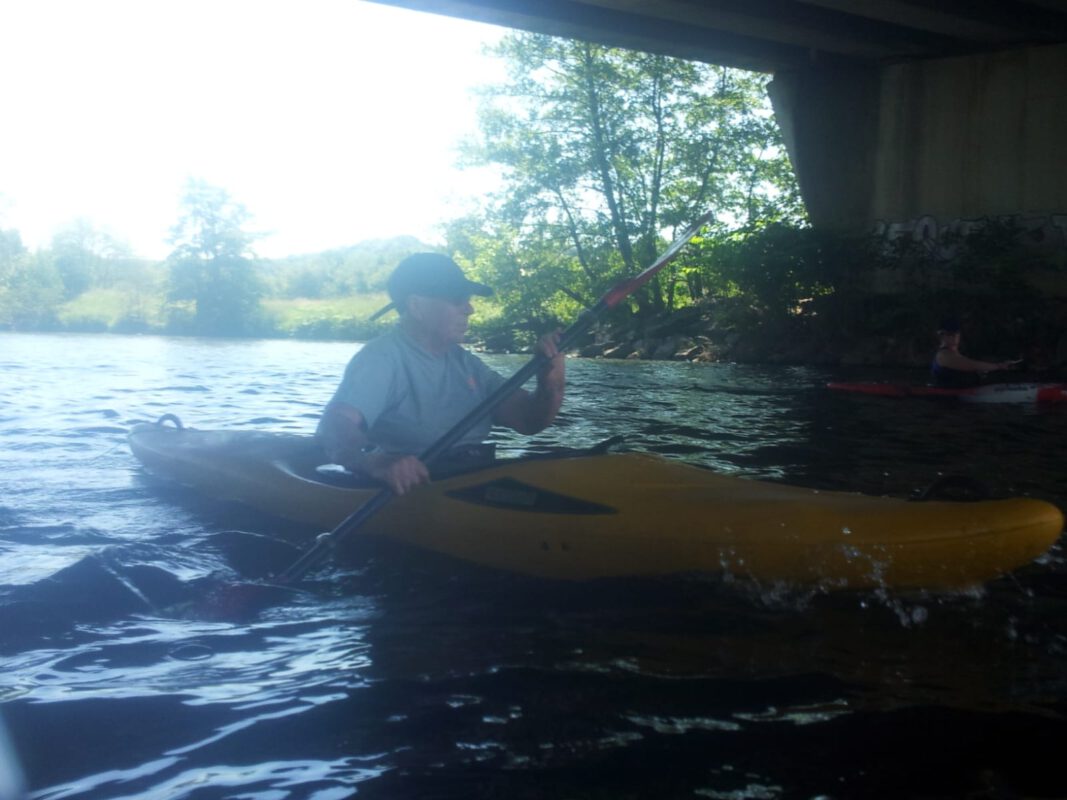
[[409, 398]]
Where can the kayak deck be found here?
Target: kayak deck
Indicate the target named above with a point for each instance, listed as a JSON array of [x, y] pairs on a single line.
[[626, 514], [1043, 393]]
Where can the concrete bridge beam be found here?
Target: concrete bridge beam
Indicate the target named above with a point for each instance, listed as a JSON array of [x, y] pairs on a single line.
[[954, 138]]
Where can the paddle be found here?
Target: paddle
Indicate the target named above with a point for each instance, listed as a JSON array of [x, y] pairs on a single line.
[[326, 542]]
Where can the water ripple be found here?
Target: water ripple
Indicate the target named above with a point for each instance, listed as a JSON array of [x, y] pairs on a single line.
[[410, 675]]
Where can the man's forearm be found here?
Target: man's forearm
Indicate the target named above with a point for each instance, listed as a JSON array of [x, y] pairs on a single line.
[[545, 403], [342, 439]]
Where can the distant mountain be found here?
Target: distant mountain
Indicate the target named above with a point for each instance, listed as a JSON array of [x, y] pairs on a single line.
[[356, 269], [366, 255]]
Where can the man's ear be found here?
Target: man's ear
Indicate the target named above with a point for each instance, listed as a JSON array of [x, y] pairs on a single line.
[[413, 306]]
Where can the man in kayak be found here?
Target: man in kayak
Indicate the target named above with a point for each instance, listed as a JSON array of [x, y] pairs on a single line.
[[403, 390], [951, 368]]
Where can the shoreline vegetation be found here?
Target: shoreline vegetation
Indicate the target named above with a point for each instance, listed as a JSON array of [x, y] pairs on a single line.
[[780, 294], [594, 183]]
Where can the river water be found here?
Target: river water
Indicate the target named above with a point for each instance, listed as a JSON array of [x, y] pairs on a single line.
[[406, 675]]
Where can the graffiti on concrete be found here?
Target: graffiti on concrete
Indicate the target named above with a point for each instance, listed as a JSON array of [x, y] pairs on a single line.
[[942, 240]]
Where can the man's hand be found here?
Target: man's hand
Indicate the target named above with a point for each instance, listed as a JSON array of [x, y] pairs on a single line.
[[552, 377], [400, 473], [528, 412]]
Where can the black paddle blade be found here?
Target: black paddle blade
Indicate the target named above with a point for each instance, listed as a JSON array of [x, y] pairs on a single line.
[[253, 555], [234, 602]]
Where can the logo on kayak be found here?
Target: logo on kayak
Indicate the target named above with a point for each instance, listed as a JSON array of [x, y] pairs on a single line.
[[519, 496]]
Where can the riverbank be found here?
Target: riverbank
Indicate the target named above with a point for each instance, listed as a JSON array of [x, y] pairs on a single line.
[[878, 332]]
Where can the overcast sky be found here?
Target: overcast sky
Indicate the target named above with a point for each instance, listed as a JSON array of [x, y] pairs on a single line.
[[332, 121]]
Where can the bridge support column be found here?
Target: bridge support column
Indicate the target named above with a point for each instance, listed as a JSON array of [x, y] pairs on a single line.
[[948, 139], [828, 119]]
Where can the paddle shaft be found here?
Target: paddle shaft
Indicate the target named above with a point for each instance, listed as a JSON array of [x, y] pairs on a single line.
[[326, 542]]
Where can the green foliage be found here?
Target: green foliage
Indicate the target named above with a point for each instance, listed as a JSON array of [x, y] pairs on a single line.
[[530, 290], [605, 153], [83, 255], [12, 256], [121, 309], [776, 267], [809, 295], [991, 276], [86, 281], [334, 318], [212, 263], [358, 269], [127, 295], [11, 249], [30, 286], [993, 256]]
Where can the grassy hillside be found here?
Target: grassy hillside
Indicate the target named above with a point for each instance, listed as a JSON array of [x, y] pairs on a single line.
[[327, 295]]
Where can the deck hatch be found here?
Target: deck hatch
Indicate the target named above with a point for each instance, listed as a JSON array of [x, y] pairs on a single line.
[[518, 496]]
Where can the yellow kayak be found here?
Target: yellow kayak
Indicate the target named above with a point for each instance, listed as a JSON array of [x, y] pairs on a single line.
[[627, 514]]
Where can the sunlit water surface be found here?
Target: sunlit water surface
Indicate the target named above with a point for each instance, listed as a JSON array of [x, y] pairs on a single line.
[[410, 676]]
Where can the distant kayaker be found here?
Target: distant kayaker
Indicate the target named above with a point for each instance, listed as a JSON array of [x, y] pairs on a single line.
[[403, 390], [951, 368]]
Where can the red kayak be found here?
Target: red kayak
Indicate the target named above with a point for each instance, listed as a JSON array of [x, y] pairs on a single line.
[[987, 393]]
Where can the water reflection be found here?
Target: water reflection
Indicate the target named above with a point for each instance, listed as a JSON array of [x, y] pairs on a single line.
[[410, 675]]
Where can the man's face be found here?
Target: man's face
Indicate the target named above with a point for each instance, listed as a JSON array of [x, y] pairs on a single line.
[[443, 320]]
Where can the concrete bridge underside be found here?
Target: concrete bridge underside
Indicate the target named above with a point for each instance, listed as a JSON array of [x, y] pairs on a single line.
[[893, 110]]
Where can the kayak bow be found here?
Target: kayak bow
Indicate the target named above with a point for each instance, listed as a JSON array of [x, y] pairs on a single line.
[[626, 514], [986, 393]]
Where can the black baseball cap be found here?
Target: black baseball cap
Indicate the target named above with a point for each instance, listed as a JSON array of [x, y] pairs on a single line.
[[432, 275]]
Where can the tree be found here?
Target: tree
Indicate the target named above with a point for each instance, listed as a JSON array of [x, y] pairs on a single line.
[[605, 152], [11, 251], [30, 286], [83, 257], [212, 263]]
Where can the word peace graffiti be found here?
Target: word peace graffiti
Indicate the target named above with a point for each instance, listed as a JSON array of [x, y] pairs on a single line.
[[942, 240]]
